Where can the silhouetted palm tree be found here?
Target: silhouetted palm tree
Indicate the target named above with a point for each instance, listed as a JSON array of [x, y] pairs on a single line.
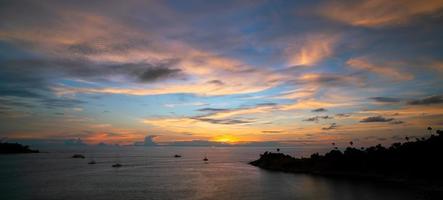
[[430, 130], [351, 143], [407, 138]]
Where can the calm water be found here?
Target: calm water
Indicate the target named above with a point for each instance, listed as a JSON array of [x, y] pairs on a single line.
[[153, 173]]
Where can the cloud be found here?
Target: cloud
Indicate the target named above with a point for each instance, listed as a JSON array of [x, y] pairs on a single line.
[[317, 118], [267, 104], [193, 88], [114, 48], [300, 93], [386, 71], [222, 121], [173, 105], [86, 69], [330, 80], [7, 103], [194, 83], [116, 136], [311, 50], [332, 126], [385, 99], [212, 109], [271, 131], [342, 115], [156, 73], [397, 122], [319, 110], [216, 82], [149, 141], [436, 99], [376, 13], [376, 119], [437, 65], [61, 102], [74, 142], [304, 104], [28, 94], [259, 108], [216, 120]]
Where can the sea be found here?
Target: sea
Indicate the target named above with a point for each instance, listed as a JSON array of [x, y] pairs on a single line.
[[154, 173]]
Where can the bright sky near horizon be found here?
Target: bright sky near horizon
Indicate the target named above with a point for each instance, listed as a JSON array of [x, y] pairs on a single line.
[[309, 72]]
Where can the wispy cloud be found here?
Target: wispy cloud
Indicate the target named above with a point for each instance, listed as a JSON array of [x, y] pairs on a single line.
[[386, 71], [213, 109], [375, 13], [271, 131]]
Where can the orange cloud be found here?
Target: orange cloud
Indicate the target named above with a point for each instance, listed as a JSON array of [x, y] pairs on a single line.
[[387, 71], [309, 104], [312, 50], [374, 13], [304, 92], [437, 65], [111, 138], [198, 88]]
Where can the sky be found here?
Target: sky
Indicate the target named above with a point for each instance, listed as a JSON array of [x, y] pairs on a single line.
[[288, 72]]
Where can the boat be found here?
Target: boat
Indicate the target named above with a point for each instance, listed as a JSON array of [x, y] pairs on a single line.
[[177, 156], [92, 162], [117, 165], [78, 156]]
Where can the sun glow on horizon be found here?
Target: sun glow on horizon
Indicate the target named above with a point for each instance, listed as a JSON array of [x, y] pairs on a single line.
[[226, 139]]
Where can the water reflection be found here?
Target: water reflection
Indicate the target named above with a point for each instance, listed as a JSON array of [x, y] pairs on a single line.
[[153, 173]]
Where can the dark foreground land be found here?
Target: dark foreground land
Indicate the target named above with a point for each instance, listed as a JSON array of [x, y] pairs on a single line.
[[416, 163], [13, 148]]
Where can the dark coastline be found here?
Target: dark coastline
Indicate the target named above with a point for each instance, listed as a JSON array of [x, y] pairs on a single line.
[[416, 164], [15, 148]]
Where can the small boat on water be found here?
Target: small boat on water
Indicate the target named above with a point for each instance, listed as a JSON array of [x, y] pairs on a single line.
[[177, 156], [117, 165], [205, 159], [92, 162], [78, 156]]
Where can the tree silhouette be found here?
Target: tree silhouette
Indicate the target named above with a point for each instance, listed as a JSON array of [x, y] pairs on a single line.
[[430, 130], [413, 160]]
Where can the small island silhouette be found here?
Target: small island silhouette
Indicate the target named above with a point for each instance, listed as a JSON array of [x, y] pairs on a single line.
[[14, 148], [416, 162]]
